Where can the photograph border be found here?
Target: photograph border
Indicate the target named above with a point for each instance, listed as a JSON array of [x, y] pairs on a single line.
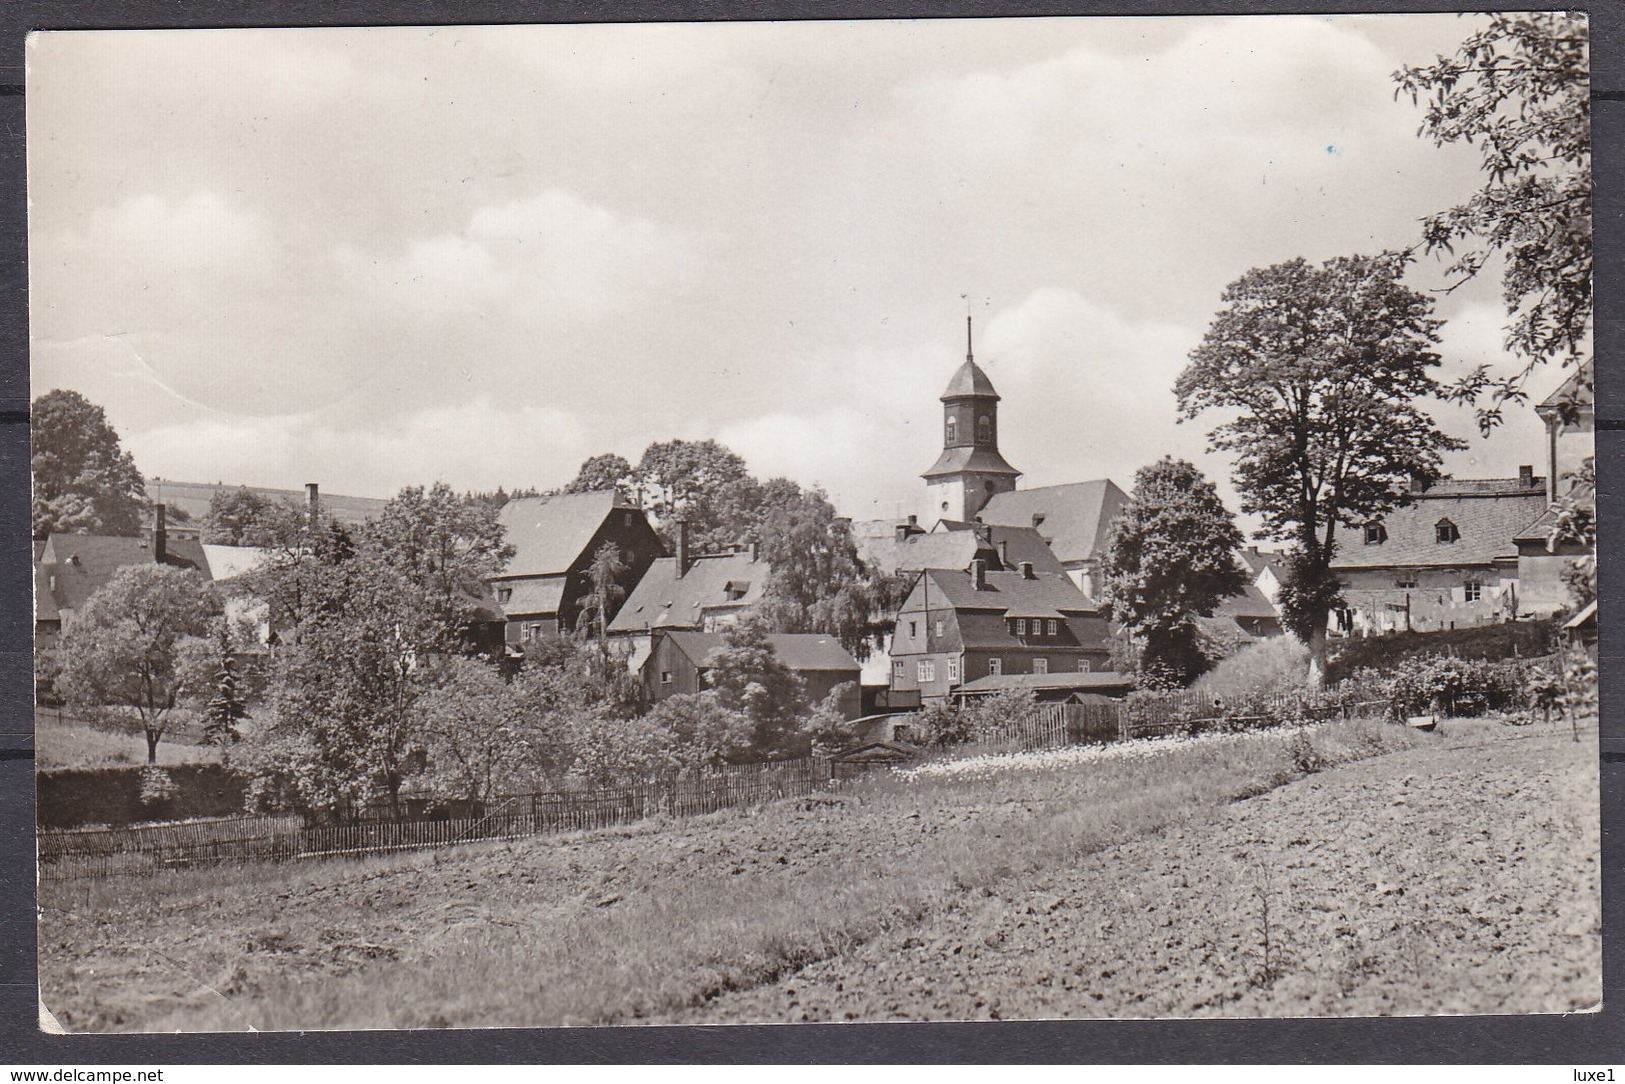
[[1588, 1038]]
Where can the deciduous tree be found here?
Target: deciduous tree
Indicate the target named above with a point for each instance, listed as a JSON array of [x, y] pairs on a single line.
[[242, 517], [125, 648], [1320, 369], [1519, 90], [1172, 559], [84, 482], [817, 583], [608, 471], [749, 677]]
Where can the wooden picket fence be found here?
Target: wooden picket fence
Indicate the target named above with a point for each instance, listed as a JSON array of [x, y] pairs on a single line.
[[150, 848]]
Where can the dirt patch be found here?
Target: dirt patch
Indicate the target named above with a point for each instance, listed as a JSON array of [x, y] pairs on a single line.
[[1458, 879]]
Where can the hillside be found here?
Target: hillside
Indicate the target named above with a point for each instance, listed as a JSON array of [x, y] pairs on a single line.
[[1133, 880]]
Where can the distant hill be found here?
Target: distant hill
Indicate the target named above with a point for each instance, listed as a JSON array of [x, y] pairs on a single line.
[[193, 499]]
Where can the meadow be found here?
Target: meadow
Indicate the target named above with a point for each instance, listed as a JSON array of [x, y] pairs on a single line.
[[852, 904]]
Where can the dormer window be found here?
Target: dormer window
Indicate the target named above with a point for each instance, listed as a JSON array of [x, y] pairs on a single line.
[[1375, 534], [504, 594], [953, 429], [1445, 531], [984, 430]]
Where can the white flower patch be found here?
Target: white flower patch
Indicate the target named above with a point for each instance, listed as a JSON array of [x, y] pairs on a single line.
[[1072, 756]]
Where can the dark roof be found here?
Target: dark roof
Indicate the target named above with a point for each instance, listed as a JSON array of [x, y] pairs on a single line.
[[661, 600], [1008, 592], [970, 381], [44, 600], [958, 458], [1540, 530], [81, 564], [193, 499], [1075, 519], [1251, 602], [550, 534], [1257, 562], [1099, 679], [1019, 543], [537, 597], [803, 652], [1489, 513], [879, 751], [921, 551]]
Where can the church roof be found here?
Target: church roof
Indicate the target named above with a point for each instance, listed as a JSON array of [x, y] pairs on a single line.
[[1075, 519], [970, 381], [973, 459]]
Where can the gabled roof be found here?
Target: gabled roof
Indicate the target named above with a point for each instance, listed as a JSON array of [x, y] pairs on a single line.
[[662, 600], [970, 382], [803, 652], [1257, 562], [550, 534], [979, 459], [531, 597], [1250, 603], [922, 551], [1075, 519], [82, 563], [1578, 391], [1017, 543], [1489, 514], [1008, 592], [1540, 530], [193, 499], [229, 562]]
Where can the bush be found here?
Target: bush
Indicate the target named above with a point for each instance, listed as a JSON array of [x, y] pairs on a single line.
[[1279, 664], [1446, 686]]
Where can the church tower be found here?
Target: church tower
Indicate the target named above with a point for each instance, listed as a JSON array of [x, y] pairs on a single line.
[[970, 469]]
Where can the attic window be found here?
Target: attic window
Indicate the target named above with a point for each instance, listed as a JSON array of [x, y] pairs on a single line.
[[504, 594], [1375, 534], [1445, 531], [736, 589], [1038, 520]]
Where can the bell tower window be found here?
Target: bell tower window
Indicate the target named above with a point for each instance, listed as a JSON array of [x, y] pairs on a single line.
[[953, 430], [984, 430]]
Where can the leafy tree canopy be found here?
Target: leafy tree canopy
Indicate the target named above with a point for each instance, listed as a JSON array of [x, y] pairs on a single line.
[[84, 482], [1519, 91], [1319, 370], [750, 678], [242, 517], [1171, 559]]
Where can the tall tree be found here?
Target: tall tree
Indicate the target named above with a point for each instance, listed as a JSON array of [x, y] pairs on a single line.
[[1172, 559], [126, 647], [227, 707], [447, 544], [1322, 367], [697, 480], [84, 482], [1519, 90], [608, 471], [749, 677], [817, 583], [242, 517], [603, 593]]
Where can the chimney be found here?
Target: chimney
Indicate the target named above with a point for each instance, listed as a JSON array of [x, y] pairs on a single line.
[[978, 574], [1027, 571], [913, 520], [683, 556], [755, 551], [160, 534], [1004, 553], [313, 503], [1526, 476], [1418, 483]]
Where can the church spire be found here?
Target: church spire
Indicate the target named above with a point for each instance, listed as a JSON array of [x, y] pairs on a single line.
[[969, 355]]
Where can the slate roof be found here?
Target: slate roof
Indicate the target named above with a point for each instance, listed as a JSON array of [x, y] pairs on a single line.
[[83, 563], [1541, 529], [970, 381], [1020, 543], [1011, 592], [1075, 519], [1490, 513], [1257, 562], [803, 652], [1250, 603], [973, 458], [549, 534], [530, 598], [661, 600], [922, 551], [1095, 680], [193, 499]]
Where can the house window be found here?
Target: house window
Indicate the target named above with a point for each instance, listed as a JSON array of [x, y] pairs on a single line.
[[984, 430], [925, 670], [1084, 666], [1375, 534], [1051, 627], [1406, 581], [953, 429], [1472, 590], [504, 594], [1040, 666], [913, 629], [1021, 626], [1445, 531], [939, 627], [665, 677], [995, 667], [533, 633], [953, 671]]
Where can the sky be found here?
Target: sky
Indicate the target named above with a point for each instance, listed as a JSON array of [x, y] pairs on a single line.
[[374, 258]]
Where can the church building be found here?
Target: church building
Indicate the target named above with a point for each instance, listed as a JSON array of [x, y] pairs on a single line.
[[970, 471]]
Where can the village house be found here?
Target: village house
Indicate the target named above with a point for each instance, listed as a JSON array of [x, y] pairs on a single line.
[[1074, 519], [1266, 570], [679, 661], [957, 626], [1446, 560], [555, 539]]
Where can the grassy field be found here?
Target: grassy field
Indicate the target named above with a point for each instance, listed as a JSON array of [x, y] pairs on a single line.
[[64, 741], [710, 919]]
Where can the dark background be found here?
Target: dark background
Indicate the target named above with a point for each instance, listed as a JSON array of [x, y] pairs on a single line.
[[1590, 1039]]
